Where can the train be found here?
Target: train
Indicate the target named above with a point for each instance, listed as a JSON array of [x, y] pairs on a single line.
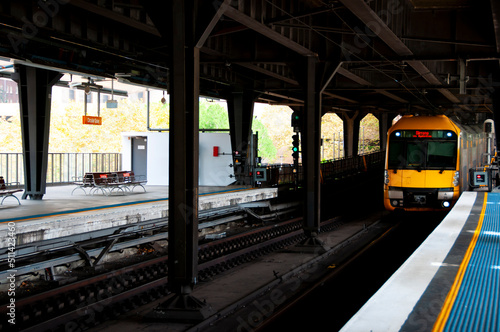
[[428, 158]]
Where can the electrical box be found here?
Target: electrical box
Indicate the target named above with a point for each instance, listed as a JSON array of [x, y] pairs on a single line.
[[260, 174], [480, 178]]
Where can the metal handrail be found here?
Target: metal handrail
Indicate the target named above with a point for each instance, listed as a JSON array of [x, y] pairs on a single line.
[[284, 173], [62, 168]]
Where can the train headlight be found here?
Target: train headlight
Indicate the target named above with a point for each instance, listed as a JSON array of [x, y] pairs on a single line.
[[456, 178], [446, 204], [386, 177]]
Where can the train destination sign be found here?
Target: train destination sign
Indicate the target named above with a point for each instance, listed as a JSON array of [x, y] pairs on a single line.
[[92, 120], [424, 134]]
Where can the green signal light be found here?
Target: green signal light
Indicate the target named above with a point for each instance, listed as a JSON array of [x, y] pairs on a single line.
[[295, 149]]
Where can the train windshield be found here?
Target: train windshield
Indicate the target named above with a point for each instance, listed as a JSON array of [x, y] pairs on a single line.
[[422, 150]]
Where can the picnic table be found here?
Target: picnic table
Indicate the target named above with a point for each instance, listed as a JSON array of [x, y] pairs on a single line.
[[109, 182]]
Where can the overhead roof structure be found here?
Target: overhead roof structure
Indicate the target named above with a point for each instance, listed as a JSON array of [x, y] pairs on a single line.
[[317, 56], [377, 55]]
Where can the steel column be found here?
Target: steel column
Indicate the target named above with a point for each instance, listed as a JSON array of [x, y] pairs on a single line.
[[35, 89], [384, 123], [311, 152], [495, 96], [176, 20], [351, 133], [240, 113]]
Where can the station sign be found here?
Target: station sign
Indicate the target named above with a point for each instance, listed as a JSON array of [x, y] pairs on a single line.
[[92, 120]]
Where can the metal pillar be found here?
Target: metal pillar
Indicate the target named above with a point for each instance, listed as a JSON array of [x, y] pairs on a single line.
[[240, 113], [496, 111], [35, 88], [351, 133], [180, 17], [384, 123], [311, 148]]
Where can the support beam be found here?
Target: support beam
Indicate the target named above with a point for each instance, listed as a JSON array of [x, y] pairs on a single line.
[[176, 21], [384, 123], [35, 89], [362, 10], [311, 153], [240, 112], [261, 70], [495, 96], [351, 133], [208, 30], [258, 27]]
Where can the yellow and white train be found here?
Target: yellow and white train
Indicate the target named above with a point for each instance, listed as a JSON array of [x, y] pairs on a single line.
[[428, 160]]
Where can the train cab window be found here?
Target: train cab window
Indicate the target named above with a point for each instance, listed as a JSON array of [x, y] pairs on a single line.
[[441, 155], [395, 154], [415, 154], [411, 149]]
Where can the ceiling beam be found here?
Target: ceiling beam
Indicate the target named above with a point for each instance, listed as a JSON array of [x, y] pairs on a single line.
[[212, 24], [260, 28], [261, 70], [495, 12], [363, 11], [353, 77], [392, 96], [109, 14], [362, 81], [283, 96]]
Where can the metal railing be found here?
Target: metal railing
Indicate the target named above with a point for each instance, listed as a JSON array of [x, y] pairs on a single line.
[[62, 168], [330, 169]]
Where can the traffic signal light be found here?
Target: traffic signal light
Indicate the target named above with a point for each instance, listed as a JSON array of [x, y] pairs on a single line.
[[296, 121], [295, 146], [237, 158]]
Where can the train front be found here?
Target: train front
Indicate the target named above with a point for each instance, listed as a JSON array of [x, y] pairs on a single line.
[[422, 168]]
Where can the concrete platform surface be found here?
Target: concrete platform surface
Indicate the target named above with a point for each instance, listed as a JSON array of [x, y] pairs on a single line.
[[61, 214]]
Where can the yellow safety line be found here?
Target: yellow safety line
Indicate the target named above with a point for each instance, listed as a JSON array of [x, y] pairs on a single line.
[[112, 207], [452, 294]]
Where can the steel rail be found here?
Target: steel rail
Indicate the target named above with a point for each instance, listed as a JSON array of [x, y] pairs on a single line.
[[120, 281]]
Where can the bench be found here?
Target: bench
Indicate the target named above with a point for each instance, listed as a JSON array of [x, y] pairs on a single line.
[[9, 189], [107, 182]]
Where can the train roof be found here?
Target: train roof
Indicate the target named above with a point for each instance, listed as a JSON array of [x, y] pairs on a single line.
[[433, 122]]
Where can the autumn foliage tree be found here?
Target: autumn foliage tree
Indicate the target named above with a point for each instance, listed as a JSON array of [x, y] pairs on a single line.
[[272, 123]]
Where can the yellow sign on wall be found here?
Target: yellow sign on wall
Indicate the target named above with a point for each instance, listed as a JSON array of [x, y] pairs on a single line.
[[92, 120]]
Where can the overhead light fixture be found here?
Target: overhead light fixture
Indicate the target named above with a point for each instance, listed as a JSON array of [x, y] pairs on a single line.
[[87, 90], [163, 100]]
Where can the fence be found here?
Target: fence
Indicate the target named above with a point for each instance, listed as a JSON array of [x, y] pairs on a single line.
[[331, 169], [62, 167]]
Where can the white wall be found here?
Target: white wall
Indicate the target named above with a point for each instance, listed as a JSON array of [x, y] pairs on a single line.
[[214, 171]]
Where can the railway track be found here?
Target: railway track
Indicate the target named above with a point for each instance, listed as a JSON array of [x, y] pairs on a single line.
[[86, 303]]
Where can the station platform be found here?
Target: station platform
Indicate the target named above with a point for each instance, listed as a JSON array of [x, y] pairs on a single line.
[[62, 213], [451, 282]]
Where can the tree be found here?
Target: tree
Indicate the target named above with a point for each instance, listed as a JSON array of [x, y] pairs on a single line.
[[267, 150], [213, 116]]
